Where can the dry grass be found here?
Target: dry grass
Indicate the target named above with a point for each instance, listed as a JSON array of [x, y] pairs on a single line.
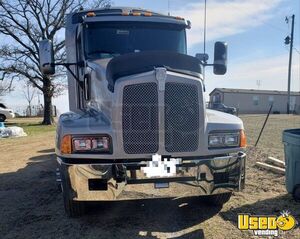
[[271, 139]]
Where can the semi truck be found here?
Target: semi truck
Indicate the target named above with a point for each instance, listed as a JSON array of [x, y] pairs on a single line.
[[138, 124]]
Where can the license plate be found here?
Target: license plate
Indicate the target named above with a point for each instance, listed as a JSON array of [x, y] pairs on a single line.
[[161, 166]]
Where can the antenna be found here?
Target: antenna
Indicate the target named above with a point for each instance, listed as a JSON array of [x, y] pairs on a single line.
[[204, 37], [169, 7], [204, 40]]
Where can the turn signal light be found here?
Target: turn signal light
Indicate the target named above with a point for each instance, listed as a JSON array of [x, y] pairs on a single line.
[[66, 145], [243, 139]]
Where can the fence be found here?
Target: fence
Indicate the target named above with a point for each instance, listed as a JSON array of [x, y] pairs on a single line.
[[32, 111]]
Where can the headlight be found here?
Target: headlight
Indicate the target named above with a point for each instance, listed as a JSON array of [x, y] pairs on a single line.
[[231, 140], [82, 144], [224, 139], [91, 144], [86, 144], [215, 140]]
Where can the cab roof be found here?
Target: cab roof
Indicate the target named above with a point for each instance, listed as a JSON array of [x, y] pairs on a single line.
[[79, 16]]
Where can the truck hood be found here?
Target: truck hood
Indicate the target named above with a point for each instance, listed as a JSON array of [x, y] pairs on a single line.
[[220, 118], [99, 66], [139, 62]]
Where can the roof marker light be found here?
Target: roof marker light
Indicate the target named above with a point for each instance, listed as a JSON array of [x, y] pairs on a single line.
[[91, 14], [136, 14], [147, 14], [179, 18]]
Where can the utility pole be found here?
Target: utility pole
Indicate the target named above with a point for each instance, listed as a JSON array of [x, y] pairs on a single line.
[[258, 83], [290, 40]]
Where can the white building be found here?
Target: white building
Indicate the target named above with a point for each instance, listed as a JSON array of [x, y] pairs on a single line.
[[256, 101]]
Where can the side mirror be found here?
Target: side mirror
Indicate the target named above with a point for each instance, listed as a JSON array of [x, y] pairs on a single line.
[[46, 55], [220, 58]]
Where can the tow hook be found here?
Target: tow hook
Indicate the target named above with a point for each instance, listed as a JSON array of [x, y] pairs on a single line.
[[119, 173]]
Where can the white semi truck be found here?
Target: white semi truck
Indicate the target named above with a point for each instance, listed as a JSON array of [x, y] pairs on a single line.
[[137, 119]]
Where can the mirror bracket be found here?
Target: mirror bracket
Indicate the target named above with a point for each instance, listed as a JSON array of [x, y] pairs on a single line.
[[67, 65], [206, 64]]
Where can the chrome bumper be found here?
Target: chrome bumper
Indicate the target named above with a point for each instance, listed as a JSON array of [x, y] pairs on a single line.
[[125, 180]]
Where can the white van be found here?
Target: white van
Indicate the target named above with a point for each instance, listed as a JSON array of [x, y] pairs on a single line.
[[5, 113]]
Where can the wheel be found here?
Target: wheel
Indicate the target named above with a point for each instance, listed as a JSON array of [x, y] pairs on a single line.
[[72, 208], [296, 193], [2, 118], [218, 199]]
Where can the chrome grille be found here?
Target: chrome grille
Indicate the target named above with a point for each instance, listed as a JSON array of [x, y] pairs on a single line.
[[140, 118], [181, 117]]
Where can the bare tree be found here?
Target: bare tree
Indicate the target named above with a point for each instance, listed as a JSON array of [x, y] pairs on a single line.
[[5, 87], [29, 93], [23, 23]]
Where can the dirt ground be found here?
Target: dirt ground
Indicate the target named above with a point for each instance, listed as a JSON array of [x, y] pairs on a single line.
[[32, 207]]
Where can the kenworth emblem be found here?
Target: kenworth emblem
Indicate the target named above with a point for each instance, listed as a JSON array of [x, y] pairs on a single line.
[[161, 76]]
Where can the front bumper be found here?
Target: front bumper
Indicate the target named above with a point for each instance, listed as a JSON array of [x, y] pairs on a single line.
[[124, 180]]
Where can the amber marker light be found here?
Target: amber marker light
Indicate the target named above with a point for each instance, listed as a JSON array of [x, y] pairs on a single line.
[[147, 14], [243, 140], [66, 145], [136, 14], [179, 18], [91, 14]]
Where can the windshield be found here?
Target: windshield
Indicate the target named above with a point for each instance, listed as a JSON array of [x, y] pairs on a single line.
[[104, 40], [2, 106]]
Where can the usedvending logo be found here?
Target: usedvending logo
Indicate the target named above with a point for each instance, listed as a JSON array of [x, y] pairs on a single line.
[[267, 225]]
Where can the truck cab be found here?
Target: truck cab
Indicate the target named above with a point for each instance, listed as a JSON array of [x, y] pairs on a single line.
[[138, 114]]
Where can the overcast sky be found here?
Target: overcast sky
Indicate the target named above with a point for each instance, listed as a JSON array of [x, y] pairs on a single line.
[[255, 32]]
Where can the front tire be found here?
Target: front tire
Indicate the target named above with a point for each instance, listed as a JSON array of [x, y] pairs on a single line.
[[72, 208], [2, 118], [218, 199]]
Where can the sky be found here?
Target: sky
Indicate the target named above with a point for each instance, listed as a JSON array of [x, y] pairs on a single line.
[[254, 30]]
